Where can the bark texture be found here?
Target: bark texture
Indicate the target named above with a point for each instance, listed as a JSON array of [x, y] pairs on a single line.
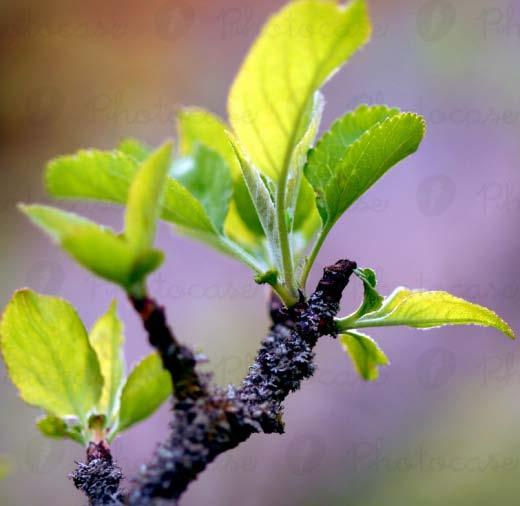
[[99, 478]]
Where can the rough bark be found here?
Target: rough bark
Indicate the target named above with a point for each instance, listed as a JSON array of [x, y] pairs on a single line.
[[99, 478]]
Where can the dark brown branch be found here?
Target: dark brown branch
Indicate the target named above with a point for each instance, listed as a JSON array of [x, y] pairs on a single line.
[[99, 478], [177, 359], [208, 421]]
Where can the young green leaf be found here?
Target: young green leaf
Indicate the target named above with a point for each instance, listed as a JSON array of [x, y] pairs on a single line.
[[144, 199], [425, 310], [95, 247], [134, 149], [332, 147], [258, 187], [197, 126], [208, 179], [92, 175], [372, 300], [365, 354], [106, 337], [340, 176], [297, 207], [57, 428], [48, 355], [146, 388], [298, 49]]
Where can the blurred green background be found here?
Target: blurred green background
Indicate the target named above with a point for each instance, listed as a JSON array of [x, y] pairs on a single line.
[[440, 426]]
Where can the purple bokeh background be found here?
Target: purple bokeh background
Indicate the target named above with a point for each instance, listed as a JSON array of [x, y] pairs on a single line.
[[440, 426]]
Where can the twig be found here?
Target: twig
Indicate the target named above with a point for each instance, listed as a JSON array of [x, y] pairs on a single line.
[[99, 478]]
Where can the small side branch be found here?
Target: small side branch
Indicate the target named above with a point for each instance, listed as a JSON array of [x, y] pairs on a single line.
[[177, 359]]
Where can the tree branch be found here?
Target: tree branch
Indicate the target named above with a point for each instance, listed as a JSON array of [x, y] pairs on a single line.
[[99, 478], [208, 421]]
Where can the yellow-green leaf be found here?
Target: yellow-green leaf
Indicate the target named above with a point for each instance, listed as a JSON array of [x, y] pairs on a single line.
[[135, 149], [146, 388], [92, 175], [365, 354], [197, 126], [258, 187], [48, 355], [145, 199], [97, 248], [57, 428], [298, 49], [423, 310], [207, 177], [358, 150], [106, 337]]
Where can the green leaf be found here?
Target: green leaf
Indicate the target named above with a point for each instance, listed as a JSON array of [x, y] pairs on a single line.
[[365, 354], [48, 355], [57, 428], [144, 199], [258, 187], [147, 387], [197, 126], [106, 337], [298, 49], [107, 176], [207, 177], [372, 300], [92, 175], [425, 310], [95, 247], [135, 149], [246, 209], [297, 206], [357, 151]]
